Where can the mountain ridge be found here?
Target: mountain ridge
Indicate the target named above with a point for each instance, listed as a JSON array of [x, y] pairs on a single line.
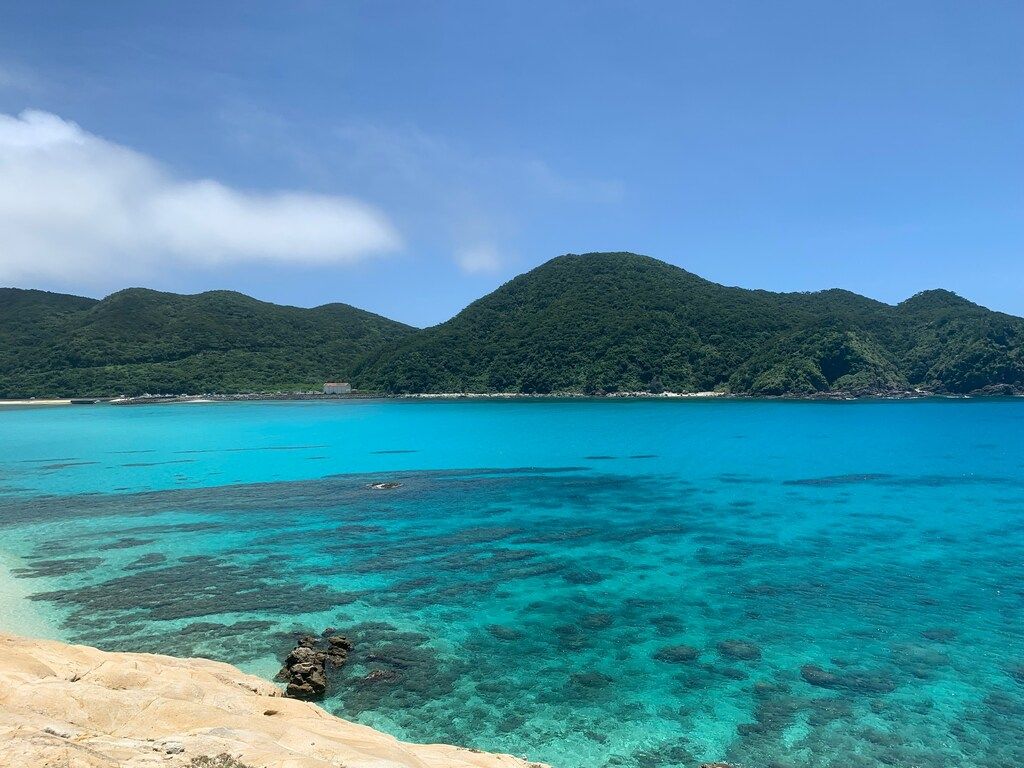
[[606, 322], [579, 323], [139, 340]]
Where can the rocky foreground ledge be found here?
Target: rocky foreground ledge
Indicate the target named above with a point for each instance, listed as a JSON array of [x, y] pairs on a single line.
[[71, 706]]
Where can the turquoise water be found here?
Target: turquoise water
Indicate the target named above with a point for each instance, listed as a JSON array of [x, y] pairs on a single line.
[[589, 583]]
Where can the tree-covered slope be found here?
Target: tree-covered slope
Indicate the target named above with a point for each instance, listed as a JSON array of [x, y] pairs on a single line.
[[959, 346], [139, 340], [599, 322], [621, 322]]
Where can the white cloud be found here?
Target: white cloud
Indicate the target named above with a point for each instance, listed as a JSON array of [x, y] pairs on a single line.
[[75, 206], [479, 258]]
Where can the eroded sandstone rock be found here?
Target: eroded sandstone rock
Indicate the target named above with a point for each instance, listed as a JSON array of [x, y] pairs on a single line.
[[71, 705]]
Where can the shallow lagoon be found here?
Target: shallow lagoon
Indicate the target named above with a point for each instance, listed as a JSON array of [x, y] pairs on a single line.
[[622, 583]]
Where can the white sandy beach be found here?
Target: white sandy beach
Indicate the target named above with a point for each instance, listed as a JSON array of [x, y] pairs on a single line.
[[33, 402], [18, 614]]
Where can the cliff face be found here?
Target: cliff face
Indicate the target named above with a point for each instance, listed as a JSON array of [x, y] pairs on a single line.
[[77, 707]]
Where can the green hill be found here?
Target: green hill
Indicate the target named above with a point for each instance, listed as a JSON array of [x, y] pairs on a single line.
[[600, 322], [608, 322], [139, 340]]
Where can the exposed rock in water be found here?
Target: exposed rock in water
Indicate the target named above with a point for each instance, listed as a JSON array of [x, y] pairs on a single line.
[[305, 669], [389, 486], [338, 648]]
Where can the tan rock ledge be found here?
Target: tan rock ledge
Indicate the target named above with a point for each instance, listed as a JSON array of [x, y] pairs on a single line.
[[71, 706]]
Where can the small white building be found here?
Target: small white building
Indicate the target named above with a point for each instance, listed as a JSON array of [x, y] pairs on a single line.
[[337, 388]]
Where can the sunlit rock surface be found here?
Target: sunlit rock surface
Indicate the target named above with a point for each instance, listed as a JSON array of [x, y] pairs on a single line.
[[77, 707]]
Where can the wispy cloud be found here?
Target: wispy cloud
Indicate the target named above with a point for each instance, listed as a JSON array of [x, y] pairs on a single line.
[[568, 188], [477, 197], [16, 78], [479, 258], [75, 206], [418, 156]]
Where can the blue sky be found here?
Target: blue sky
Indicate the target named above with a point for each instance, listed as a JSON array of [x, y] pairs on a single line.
[[408, 157]]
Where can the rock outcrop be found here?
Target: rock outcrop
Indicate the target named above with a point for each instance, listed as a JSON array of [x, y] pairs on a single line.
[[305, 669], [67, 706]]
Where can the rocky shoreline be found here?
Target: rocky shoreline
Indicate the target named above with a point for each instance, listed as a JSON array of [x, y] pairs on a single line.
[[70, 705], [828, 395]]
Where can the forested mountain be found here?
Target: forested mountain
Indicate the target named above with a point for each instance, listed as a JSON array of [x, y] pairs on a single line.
[[606, 322], [139, 340], [600, 322]]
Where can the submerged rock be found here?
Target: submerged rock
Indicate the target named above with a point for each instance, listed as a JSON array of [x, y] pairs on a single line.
[[815, 675], [730, 673], [590, 679], [667, 624], [1001, 703], [739, 650], [582, 577], [918, 660], [505, 633], [1017, 673], [677, 654], [338, 647], [858, 682], [601, 620], [382, 676], [940, 635]]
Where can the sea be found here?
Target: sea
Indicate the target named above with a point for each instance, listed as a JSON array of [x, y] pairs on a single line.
[[606, 582]]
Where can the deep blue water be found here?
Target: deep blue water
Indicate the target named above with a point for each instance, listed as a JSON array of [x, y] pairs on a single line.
[[589, 583]]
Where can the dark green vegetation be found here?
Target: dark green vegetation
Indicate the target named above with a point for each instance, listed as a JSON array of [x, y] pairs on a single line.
[[602, 322], [138, 341], [620, 322]]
